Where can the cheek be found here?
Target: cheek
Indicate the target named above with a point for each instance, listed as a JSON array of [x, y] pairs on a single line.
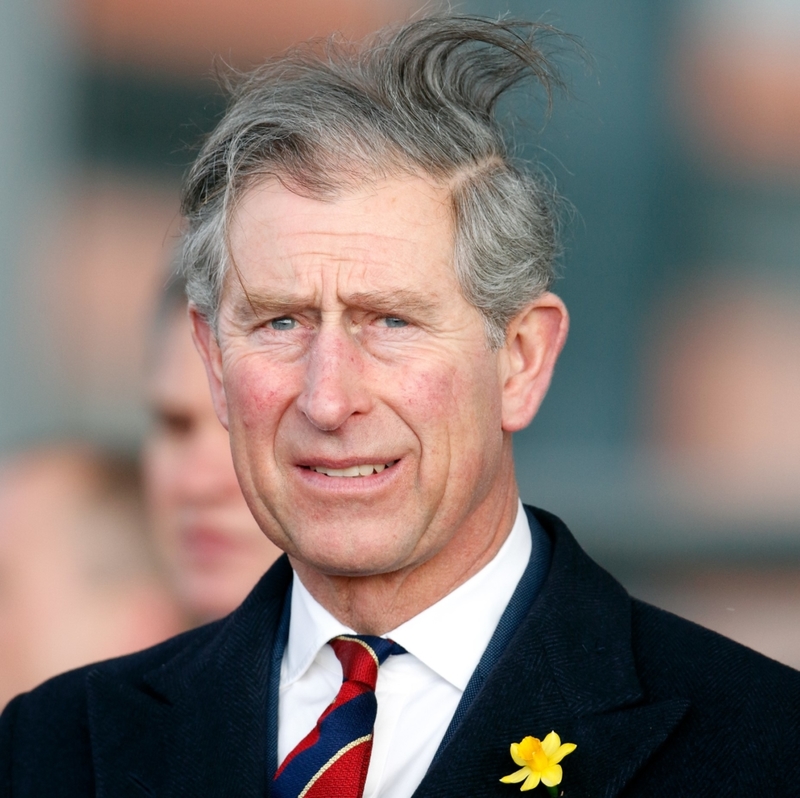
[[452, 394], [425, 394], [255, 395], [157, 474], [454, 412]]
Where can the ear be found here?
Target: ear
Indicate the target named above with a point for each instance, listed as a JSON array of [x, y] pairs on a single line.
[[534, 340], [205, 339]]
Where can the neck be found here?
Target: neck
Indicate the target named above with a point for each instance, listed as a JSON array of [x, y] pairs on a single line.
[[378, 603]]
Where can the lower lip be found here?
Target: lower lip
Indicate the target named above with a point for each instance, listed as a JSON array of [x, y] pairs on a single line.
[[349, 484], [207, 546]]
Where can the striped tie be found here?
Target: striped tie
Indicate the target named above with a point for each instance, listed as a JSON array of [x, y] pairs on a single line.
[[333, 758]]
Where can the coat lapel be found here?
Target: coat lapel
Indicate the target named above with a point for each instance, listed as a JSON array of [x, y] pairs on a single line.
[[569, 668], [195, 725]]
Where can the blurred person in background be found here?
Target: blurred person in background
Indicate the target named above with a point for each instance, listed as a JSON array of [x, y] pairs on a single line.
[[77, 581], [210, 545]]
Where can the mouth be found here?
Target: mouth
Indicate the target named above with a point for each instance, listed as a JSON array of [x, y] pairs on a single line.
[[208, 544], [353, 471]]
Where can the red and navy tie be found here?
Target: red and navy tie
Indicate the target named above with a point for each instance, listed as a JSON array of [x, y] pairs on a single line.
[[333, 758]]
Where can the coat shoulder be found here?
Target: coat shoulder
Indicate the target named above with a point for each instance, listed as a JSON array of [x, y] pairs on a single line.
[[49, 737], [740, 729], [743, 721], [51, 723], [676, 656]]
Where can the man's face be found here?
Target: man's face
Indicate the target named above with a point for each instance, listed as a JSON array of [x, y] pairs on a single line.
[[212, 547], [363, 403]]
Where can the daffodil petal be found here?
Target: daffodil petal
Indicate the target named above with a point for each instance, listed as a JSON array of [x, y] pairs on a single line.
[[565, 749], [518, 760], [531, 782], [550, 744], [552, 775], [513, 778]]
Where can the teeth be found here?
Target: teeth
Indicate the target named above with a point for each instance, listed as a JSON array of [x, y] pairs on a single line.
[[353, 471]]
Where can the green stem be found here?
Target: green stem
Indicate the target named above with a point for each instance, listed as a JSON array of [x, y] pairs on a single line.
[[552, 791]]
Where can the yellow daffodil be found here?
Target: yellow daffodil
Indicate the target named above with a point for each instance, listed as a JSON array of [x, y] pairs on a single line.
[[539, 761]]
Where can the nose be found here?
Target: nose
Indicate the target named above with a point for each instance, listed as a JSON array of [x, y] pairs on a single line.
[[335, 386]]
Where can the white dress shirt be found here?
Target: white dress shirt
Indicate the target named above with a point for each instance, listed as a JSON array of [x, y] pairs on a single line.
[[417, 692]]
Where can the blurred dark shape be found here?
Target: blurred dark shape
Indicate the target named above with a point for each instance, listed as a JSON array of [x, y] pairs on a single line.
[[211, 546], [77, 583], [150, 123]]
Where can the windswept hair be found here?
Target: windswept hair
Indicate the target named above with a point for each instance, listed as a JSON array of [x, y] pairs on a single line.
[[418, 99]]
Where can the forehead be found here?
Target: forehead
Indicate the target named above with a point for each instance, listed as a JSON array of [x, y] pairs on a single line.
[[397, 232]]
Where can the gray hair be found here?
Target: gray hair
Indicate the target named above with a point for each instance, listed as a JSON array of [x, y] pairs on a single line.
[[417, 99]]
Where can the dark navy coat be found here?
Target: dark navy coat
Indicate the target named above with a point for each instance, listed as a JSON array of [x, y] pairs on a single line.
[[658, 706]]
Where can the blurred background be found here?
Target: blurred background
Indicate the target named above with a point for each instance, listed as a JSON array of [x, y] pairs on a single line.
[[670, 441]]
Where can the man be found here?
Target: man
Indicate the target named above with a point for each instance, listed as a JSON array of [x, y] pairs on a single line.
[[369, 281], [212, 549]]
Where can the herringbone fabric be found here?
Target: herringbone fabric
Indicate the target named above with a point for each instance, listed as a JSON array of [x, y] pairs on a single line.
[[333, 758]]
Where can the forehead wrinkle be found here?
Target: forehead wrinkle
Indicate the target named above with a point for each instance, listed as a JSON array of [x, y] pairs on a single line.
[[398, 300], [351, 254], [336, 230]]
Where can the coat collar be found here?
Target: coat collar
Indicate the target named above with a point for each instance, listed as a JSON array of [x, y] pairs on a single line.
[[569, 667]]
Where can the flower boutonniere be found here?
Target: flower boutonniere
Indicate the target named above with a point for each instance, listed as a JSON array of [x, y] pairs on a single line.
[[538, 760]]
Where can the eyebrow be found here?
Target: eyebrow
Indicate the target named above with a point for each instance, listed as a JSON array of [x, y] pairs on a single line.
[[252, 305], [401, 301]]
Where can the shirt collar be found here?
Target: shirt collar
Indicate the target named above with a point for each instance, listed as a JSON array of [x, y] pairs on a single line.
[[449, 636], [311, 626]]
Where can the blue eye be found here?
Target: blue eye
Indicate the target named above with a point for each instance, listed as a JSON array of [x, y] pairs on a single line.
[[394, 321], [283, 323]]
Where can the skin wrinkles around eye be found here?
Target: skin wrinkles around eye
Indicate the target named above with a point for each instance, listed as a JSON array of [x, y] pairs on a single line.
[[384, 337], [409, 307], [360, 324], [386, 322]]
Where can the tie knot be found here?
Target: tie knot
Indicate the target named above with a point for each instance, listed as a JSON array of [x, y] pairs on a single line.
[[361, 655]]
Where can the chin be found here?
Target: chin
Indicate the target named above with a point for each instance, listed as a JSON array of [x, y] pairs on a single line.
[[356, 563], [357, 544], [352, 570], [206, 599]]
